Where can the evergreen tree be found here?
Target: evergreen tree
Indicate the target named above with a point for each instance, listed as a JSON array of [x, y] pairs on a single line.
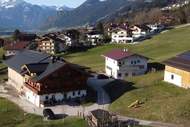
[[16, 34], [100, 27]]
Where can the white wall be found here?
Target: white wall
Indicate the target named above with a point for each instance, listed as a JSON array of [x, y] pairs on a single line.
[[15, 79], [127, 68], [37, 99], [32, 97], [121, 37], [11, 52], [112, 64], [177, 79]]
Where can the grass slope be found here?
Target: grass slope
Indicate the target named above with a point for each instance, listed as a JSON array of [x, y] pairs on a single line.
[[162, 101], [12, 116], [158, 48]]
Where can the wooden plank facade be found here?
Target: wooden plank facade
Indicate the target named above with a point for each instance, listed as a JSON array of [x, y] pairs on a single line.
[[65, 79]]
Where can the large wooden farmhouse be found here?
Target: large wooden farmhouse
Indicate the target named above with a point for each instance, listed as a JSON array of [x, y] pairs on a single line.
[[43, 79], [177, 70]]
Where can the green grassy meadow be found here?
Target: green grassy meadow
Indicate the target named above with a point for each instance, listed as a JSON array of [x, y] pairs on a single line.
[[12, 116], [162, 101], [158, 48]]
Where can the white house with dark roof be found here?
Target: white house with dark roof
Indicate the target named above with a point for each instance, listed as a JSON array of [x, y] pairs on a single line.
[[140, 31], [95, 37], [68, 40], [46, 80], [121, 63], [121, 35]]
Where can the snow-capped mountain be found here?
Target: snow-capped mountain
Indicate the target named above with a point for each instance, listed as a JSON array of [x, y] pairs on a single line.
[[23, 15], [64, 8], [10, 3]]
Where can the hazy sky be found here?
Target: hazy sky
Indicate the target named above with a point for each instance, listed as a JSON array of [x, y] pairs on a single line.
[[70, 3]]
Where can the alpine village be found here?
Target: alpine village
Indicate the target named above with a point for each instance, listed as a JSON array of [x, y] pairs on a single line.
[[105, 63]]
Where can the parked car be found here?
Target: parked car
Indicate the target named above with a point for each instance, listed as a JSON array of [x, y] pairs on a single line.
[[48, 114]]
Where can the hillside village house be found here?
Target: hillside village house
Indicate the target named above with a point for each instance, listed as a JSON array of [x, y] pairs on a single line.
[[73, 37], [95, 37], [112, 26], [121, 63], [12, 48], [140, 31], [44, 80], [47, 45], [177, 70], [121, 35], [155, 28], [50, 45], [68, 40]]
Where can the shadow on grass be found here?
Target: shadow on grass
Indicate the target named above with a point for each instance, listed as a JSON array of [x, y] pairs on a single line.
[[117, 88]]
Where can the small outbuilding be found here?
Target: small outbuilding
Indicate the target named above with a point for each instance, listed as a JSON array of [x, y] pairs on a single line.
[[177, 70]]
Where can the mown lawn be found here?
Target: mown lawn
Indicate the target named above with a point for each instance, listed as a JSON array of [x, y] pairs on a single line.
[[12, 116], [162, 101]]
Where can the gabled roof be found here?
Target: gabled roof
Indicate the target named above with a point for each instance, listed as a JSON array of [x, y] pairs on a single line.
[[120, 28], [36, 62], [143, 27], [37, 68], [51, 67], [119, 54], [26, 57], [181, 61]]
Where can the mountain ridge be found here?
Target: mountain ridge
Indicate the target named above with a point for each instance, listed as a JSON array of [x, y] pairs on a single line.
[[92, 11], [19, 14]]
